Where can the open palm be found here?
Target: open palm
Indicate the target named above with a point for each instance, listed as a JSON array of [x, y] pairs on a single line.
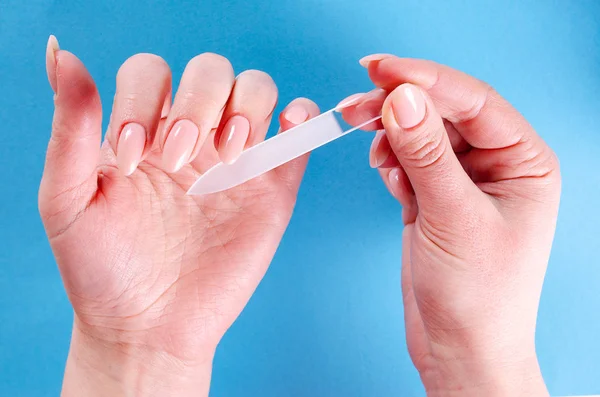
[[140, 259]]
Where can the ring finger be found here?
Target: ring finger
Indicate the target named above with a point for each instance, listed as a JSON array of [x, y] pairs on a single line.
[[248, 114]]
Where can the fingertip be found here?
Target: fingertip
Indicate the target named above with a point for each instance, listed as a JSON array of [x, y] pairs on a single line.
[[349, 101], [297, 112], [408, 106], [365, 62], [73, 81], [360, 108]]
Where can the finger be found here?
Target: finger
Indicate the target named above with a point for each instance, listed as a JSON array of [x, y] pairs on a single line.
[[458, 143], [70, 177], [360, 108], [528, 159], [202, 95], [480, 115], [297, 112], [142, 95], [357, 112], [381, 154], [417, 136], [247, 116], [398, 184]]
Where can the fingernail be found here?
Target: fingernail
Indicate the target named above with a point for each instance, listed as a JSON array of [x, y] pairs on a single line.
[[349, 101], [130, 147], [166, 106], [380, 150], [51, 48], [233, 139], [179, 145], [409, 106], [370, 96], [364, 62], [296, 114], [395, 183]]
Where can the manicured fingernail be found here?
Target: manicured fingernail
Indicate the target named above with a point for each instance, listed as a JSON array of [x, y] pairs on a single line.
[[130, 147], [349, 101], [233, 138], [364, 62], [166, 106], [380, 150], [409, 106], [179, 145], [395, 183], [296, 114], [51, 49]]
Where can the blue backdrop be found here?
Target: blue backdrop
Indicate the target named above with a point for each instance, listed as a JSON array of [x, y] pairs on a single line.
[[327, 319]]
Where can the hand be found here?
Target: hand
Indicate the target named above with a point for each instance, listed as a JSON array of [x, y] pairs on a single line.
[[480, 192], [155, 276]]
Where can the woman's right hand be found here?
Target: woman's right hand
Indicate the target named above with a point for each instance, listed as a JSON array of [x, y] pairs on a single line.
[[480, 193]]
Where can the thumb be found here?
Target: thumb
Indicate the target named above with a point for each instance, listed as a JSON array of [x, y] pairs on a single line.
[[69, 181], [418, 138]]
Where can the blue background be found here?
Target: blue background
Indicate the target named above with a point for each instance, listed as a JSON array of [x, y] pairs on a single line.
[[327, 319]]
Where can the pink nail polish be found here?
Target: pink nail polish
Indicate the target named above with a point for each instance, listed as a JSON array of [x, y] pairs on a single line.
[[409, 106], [179, 145], [380, 150], [233, 138], [166, 106], [296, 114], [364, 62], [130, 147]]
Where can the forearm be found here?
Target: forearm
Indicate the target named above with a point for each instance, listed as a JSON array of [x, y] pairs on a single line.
[[95, 368]]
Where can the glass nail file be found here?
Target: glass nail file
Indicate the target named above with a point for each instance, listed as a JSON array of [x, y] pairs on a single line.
[[274, 152]]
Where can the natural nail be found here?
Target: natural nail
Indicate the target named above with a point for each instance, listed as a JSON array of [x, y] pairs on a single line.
[[349, 101], [233, 138], [130, 147], [179, 145], [409, 106], [296, 114], [51, 48], [364, 62], [380, 150], [395, 183]]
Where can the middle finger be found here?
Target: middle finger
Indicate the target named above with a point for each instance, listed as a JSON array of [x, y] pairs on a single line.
[[202, 95]]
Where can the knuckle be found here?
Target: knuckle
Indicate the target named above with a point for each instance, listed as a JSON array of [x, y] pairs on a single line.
[[212, 59], [425, 150], [191, 99], [141, 62], [257, 76], [258, 83]]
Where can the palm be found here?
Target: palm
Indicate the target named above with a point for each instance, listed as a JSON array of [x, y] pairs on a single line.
[[165, 262], [140, 259]]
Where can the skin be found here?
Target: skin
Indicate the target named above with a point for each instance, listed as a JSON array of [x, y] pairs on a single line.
[[156, 277]]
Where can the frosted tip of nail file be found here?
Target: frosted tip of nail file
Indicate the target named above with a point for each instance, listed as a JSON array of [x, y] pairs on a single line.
[[275, 151]]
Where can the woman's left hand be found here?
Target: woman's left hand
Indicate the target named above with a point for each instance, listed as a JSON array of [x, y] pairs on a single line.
[[156, 276]]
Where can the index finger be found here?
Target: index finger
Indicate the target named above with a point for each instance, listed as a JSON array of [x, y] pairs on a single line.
[[478, 112]]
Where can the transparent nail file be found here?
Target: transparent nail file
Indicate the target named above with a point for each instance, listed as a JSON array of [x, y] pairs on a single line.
[[276, 151]]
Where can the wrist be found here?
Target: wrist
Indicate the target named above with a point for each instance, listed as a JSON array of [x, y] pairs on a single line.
[[97, 367], [496, 378]]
